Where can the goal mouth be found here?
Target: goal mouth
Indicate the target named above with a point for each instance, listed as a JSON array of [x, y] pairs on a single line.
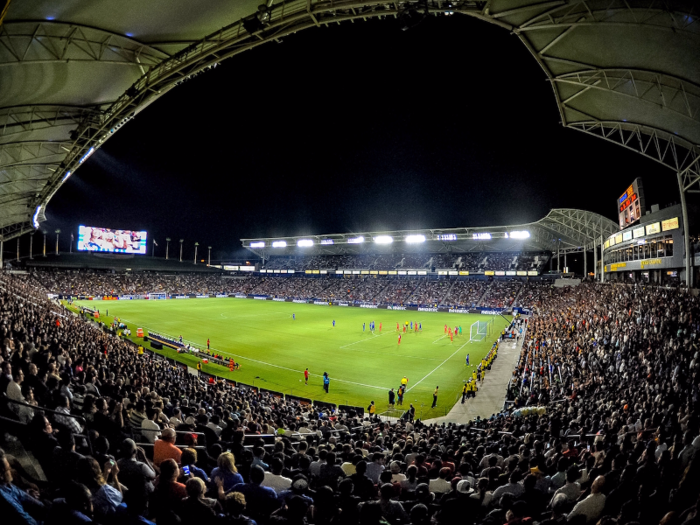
[[479, 330]]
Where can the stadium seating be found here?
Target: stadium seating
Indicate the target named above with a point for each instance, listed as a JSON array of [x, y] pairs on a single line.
[[602, 425]]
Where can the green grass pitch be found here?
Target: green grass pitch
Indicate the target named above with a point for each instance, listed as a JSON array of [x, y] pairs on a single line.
[[274, 349]]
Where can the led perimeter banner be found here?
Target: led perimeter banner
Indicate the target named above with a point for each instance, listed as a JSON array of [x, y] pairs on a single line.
[[93, 239]]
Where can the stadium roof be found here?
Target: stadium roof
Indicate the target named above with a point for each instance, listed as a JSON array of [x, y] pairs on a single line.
[[74, 72], [561, 229]]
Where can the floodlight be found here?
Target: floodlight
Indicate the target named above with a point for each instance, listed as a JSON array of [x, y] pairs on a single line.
[[260, 244], [414, 239], [520, 234], [326, 241], [383, 239], [481, 236], [447, 237], [305, 243], [279, 244], [35, 219], [87, 155], [356, 240], [65, 178]]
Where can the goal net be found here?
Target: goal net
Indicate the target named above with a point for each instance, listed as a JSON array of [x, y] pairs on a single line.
[[157, 295], [479, 330]]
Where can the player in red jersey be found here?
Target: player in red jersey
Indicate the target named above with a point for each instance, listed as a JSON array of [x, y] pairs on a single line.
[[452, 338], [399, 338], [306, 376], [380, 327], [445, 328], [397, 327]]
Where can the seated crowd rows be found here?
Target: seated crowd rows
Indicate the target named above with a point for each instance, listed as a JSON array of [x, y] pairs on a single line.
[[603, 430]]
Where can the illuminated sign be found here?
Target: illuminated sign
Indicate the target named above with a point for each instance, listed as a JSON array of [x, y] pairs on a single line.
[[257, 244], [374, 272], [638, 232], [618, 238], [607, 244], [446, 237], [326, 241], [230, 268], [489, 272], [392, 272], [630, 205], [522, 272], [460, 273], [500, 272], [93, 239], [279, 244], [669, 224], [627, 236], [364, 272], [615, 267], [481, 236], [653, 228], [649, 262], [532, 272], [453, 272], [305, 243], [383, 272], [414, 239]]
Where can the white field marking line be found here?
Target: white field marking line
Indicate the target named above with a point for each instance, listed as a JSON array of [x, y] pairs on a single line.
[[363, 340], [399, 355], [438, 366], [435, 342]]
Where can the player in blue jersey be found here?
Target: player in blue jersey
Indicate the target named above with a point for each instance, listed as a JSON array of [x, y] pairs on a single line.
[[333, 323], [363, 327], [467, 359], [294, 317]]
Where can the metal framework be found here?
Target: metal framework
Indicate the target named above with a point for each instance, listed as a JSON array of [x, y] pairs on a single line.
[[622, 70]]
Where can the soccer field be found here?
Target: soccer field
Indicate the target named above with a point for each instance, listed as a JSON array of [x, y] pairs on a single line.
[[274, 349]]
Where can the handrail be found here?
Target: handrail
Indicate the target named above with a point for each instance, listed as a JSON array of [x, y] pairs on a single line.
[[37, 407], [197, 447]]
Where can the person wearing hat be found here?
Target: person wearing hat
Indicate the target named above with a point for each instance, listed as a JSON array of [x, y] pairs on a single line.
[[299, 488]]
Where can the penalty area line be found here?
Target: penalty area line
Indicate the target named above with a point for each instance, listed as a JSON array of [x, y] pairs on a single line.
[[363, 340], [438, 366]]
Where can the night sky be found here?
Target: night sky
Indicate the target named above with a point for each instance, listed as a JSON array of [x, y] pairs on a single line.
[[352, 128]]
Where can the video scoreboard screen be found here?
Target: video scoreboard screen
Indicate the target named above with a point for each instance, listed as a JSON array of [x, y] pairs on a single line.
[[630, 205], [93, 239]]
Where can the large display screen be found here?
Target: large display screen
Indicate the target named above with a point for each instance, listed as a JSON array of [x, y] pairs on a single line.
[[630, 205], [93, 239]]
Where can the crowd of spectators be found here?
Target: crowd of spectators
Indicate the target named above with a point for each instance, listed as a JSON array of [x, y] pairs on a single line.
[[502, 294], [604, 430], [430, 293], [465, 293], [499, 261], [397, 291]]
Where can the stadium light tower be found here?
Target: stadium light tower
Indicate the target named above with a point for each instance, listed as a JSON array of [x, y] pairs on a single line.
[[195, 252], [58, 231], [31, 245], [44, 232], [209, 256], [181, 241], [17, 249], [167, 247]]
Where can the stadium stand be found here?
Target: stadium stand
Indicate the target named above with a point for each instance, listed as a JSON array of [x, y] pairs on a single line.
[[603, 428]]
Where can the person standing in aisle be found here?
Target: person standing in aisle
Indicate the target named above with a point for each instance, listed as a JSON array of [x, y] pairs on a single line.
[[326, 381]]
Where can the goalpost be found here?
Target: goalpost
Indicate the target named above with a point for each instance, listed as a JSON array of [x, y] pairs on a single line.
[[479, 330]]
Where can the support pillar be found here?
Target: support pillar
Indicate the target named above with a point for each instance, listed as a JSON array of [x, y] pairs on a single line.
[[602, 260], [31, 245], [686, 236], [17, 249], [2, 247], [558, 257], [565, 265], [595, 261], [585, 262]]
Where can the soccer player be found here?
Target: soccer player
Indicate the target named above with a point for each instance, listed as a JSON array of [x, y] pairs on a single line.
[[397, 327], [207, 343], [460, 330], [326, 381], [467, 359], [404, 382], [399, 338], [400, 395], [420, 327], [445, 328], [404, 329], [294, 317], [451, 338], [380, 327], [333, 323], [411, 325], [363, 327], [306, 376]]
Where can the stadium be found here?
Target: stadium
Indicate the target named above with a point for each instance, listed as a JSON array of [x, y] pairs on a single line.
[[539, 371]]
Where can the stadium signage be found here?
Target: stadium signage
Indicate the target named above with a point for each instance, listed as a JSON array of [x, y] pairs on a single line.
[[669, 224], [279, 299], [221, 295], [532, 272], [241, 296], [510, 272], [490, 312], [637, 232], [343, 304], [261, 297], [458, 311], [396, 307], [425, 309], [126, 297], [182, 297], [521, 272], [203, 296], [649, 262], [321, 302], [368, 306], [299, 301], [500, 272]]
